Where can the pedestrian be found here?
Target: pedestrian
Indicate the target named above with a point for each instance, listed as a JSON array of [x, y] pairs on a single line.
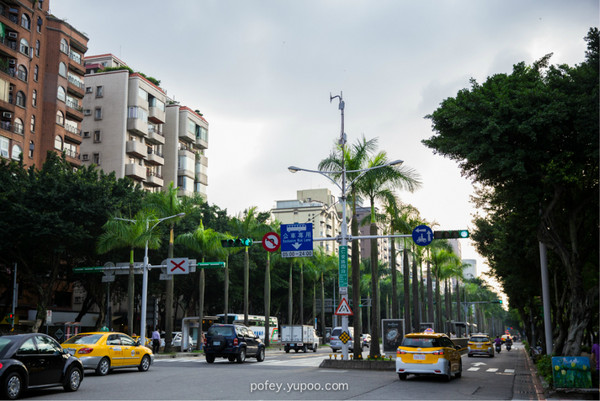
[[595, 353], [155, 341]]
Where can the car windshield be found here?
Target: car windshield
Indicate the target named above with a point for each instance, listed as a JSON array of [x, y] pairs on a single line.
[[421, 342], [336, 332], [4, 344], [220, 331], [84, 339], [479, 339]]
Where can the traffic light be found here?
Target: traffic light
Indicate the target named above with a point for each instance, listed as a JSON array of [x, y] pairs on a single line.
[[236, 242], [11, 318], [498, 301], [451, 234]]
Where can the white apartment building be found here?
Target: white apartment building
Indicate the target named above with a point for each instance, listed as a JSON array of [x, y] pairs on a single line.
[[131, 127]]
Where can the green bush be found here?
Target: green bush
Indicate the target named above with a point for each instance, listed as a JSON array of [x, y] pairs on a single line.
[[544, 368]]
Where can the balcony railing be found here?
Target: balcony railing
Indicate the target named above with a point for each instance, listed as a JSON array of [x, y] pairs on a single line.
[[76, 82], [74, 105], [75, 57], [73, 130]]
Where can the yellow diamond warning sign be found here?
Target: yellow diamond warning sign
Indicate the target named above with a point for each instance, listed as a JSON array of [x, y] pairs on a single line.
[[344, 337]]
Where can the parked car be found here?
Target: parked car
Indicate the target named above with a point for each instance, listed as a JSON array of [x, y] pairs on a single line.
[[480, 344], [176, 342], [107, 350], [335, 343], [365, 340], [35, 360], [234, 342], [428, 353]]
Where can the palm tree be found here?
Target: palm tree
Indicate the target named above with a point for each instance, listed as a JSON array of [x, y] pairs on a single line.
[[378, 183], [206, 242], [246, 226], [442, 258], [168, 204], [129, 233], [274, 227], [353, 158]]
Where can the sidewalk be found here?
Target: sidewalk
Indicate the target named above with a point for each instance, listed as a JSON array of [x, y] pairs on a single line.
[[527, 385]]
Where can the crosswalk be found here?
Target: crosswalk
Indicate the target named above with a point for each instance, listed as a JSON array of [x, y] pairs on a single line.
[[491, 370], [293, 361]]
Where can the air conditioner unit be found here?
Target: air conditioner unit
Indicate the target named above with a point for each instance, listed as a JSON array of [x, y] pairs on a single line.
[[12, 61], [6, 114], [84, 157], [13, 35], [87, 112]]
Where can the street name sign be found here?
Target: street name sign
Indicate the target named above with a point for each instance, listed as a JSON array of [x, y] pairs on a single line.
[[296, 240], [343, 266]]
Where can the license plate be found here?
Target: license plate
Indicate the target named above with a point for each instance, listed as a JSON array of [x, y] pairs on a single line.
[[292, 345], [479, 346], [419, 357], [216, 342]]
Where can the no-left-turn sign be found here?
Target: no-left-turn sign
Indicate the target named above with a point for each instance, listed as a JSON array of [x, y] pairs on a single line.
[[271, 241]]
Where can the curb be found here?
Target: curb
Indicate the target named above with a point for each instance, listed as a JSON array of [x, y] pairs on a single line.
[[363, 365]]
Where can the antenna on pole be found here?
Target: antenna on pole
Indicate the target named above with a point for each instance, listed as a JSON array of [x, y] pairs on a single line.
[[341, 105]]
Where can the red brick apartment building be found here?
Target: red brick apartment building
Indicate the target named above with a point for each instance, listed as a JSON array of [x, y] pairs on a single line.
[[41, 83]]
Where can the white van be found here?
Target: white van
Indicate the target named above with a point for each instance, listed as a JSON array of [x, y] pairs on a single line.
[[335, 343]]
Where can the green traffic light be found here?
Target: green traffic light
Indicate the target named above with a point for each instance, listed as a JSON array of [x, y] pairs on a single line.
[[463, 233]]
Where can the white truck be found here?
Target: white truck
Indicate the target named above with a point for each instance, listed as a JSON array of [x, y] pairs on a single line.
[[299, 338]]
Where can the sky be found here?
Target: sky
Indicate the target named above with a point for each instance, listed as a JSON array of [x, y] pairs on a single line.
[[262, 72]]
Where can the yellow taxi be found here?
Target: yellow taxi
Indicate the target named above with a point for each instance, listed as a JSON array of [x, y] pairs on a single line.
[[480, 344], [148, 341], [428, 353], [104, 351]]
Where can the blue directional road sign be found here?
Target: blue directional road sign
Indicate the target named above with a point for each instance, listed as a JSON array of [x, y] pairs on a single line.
[[296, 240], [422, 235]]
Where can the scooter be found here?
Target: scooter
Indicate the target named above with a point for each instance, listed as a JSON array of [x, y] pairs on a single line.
[[498, 348], [508, 345]]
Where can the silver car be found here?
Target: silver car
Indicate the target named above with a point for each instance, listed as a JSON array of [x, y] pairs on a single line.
[[335, 343]]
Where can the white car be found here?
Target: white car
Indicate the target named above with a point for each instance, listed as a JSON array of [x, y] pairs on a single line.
[[176, 342]]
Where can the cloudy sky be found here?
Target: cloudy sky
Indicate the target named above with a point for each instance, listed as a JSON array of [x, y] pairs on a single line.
[[261, 72]]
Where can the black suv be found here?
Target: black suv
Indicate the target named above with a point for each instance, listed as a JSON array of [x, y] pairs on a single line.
[[234, 342]]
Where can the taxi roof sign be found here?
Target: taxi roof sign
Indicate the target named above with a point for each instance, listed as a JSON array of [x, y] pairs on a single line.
[[429, 330]]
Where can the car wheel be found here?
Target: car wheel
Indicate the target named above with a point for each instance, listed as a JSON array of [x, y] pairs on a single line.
[[73, 379], [144, 364], [241, 357], [470, 356], [103, 367], [402, 376], [305, 348], [315, 346], [12, 386], [210, 358], [261, 355], [287, 350], [459, 373], [231, 358], [448, 375]]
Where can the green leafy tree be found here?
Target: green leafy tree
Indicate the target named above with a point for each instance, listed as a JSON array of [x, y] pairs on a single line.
[[532, 137]]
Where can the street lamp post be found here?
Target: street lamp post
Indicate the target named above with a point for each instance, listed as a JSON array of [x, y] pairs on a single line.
[[344, 237], [145, 273]]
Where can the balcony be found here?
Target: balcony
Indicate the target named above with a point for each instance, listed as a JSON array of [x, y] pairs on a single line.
[[154, 180], [74, 110], [135, 171], [187, 136], [137, 126], [202, 179], [75, 86], [154, 158], [136, 148], [157, 115], [155, 136]]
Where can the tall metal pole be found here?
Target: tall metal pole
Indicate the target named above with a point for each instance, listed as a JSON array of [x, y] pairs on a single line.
[[144, 293], [546, 298], [15, 298]]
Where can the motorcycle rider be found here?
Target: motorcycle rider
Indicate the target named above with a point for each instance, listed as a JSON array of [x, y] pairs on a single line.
[[508, 343], [498, 342]]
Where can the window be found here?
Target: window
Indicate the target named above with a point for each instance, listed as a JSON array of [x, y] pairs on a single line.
[[39, 22], [36, 71], [97, 136], [4, 146], [28, 348], [34, 98], [24, 46], [99, 91], [47, 345], [22, 72], [16, 152], [64, 46], [137, 112], [62, 69], [96, 159], [98, 113], [86, 134], [89, 89], [37, 48], [85, 157], [87, 112], [32, 128], [20, 100], [61, 94], [18, 126], [25, 21], [58, 142], [31, 149], [60, 118]]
